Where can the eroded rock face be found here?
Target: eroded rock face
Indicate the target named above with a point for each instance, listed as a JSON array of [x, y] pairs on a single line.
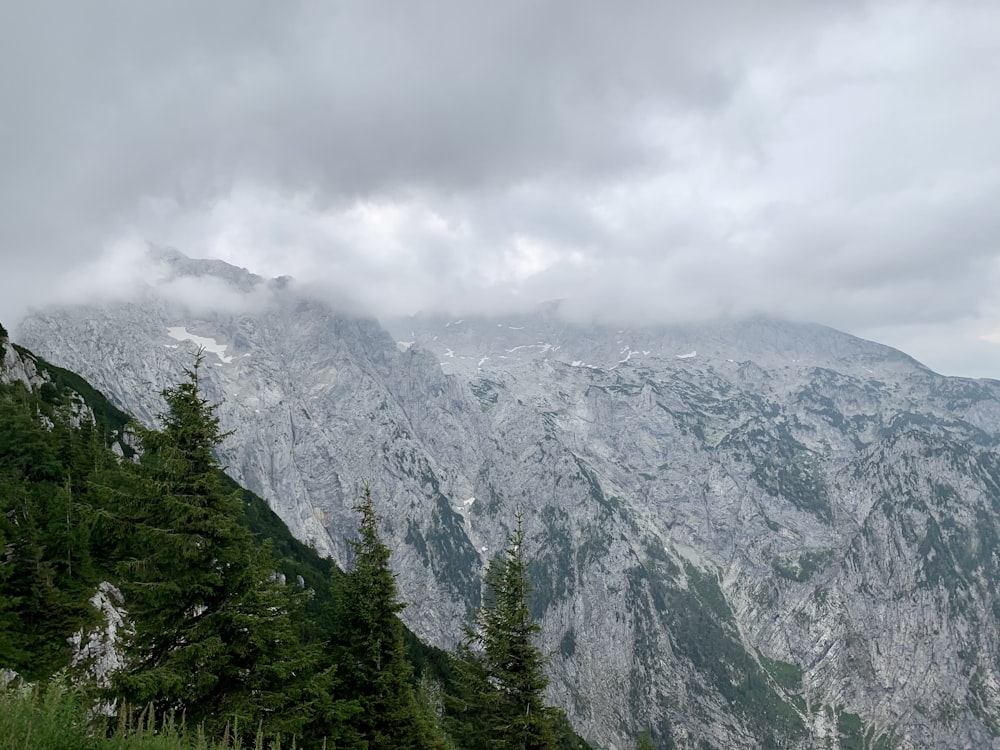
[[22, 367], [98, 651], [15, 368], [744, 533]]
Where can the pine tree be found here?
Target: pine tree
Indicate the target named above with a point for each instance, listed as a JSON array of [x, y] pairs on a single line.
[[213, 631], [501, 670], [370, 652]]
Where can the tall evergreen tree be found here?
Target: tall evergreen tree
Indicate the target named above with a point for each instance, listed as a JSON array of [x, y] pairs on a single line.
[[501, 669], [213, 632], [370, 652]]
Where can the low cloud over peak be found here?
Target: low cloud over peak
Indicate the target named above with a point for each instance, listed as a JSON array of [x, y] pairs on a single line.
[[832, 162]]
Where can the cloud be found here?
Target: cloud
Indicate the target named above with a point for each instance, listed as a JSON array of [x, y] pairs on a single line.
[[131, 270], [828, 161], [124, 272]]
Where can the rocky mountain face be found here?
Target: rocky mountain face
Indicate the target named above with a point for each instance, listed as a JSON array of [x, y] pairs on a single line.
[[746, 534], [19, 366]]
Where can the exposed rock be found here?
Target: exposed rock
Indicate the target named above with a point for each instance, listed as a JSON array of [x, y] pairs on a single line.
[[98, 652], [15, 368], [9, 677], [788, 539]]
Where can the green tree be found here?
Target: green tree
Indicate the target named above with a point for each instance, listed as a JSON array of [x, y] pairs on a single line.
[[44, 563], [501, 670], [13, 653], [213, 634], [370, 652]]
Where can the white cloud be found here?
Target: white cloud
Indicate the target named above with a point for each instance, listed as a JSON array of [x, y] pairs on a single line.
[[829, 161], [122, 272]]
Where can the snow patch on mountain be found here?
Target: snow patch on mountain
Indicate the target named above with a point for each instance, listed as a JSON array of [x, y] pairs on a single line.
[[181, 333]]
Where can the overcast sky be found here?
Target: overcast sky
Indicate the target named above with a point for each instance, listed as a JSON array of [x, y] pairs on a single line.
[[830, 161]]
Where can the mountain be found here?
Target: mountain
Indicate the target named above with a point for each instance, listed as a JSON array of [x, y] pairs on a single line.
[[78, 483], [750, 533]]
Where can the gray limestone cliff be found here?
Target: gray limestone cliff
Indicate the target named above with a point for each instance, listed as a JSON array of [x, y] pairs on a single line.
[[746, 534]]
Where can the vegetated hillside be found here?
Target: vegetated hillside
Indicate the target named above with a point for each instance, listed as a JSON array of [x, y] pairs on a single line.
[[56, 429], [749, 533], [130, 562]]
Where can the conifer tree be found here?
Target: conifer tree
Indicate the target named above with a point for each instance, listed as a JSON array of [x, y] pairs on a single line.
[[501, 670], [12, 653], [43, 550], [213, 632], [370, 652]]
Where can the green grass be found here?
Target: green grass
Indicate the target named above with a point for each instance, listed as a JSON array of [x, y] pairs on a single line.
[[55, 717]]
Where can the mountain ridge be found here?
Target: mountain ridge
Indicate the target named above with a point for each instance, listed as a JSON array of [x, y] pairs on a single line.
[[728, 527]]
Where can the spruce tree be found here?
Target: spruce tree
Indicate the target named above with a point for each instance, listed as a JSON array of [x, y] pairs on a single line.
[[213, 633], [371, 656], [501, 670]]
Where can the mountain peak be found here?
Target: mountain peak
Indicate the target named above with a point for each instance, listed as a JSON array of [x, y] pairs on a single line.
[[182, 265]]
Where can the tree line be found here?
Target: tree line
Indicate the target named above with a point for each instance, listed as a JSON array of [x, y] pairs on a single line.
[[216, 636]]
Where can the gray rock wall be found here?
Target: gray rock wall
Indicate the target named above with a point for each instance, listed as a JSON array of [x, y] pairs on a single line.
[[750, 534]]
